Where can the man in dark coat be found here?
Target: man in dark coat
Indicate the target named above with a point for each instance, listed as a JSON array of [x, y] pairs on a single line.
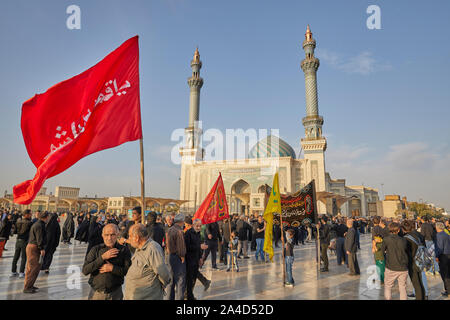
[[95, 234], [212, 240], [414, 239], [155, 230], [244, 231], [68, 228], [80, 218], [194, 248], [350, 248], [83, 229], [53, 235], [5, 228], [324, 235], [23, 226], [276, 232]]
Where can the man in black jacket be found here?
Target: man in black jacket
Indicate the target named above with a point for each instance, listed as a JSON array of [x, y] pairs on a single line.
[[414, 239], [396, 251], [194, 248], [429, 233], [68, 230], [155, 230], [53, 231], [341, 254], [35, 249], [351, 248], [23, 226], [324, 236], [213, 237], [107, 264], [5, 228], [244, 231]]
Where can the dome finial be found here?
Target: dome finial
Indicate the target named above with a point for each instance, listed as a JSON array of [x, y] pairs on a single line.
[[308, 35], [196, 55]]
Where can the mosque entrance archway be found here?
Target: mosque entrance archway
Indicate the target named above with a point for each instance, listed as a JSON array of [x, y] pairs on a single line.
[[240, 191], [355, 206]]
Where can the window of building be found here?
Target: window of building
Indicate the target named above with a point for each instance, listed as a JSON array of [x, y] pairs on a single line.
[[256, 202], [297, 174], [120, 203], [115, 203]]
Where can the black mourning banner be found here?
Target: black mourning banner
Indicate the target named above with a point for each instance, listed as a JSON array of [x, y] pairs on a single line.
[[298, 208]]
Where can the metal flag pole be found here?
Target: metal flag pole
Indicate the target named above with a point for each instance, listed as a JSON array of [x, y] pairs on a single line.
[[141, 142]]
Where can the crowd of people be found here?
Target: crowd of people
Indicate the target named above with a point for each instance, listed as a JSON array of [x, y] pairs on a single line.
[[163, 258]]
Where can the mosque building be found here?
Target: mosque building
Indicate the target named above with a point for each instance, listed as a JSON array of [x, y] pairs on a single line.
[[245, 179]]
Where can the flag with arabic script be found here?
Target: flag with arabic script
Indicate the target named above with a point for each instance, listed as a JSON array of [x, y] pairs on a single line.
[[93, 111], [214, 207]]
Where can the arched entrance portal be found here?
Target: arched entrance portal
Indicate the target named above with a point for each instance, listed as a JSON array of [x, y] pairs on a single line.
[[240, 201]]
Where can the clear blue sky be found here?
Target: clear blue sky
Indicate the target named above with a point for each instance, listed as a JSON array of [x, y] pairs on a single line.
[[384, 94]]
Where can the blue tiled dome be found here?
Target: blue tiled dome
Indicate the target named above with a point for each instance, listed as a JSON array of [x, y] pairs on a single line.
[[271, 147]]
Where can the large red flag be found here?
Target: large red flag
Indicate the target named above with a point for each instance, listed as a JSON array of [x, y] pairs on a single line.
[[214, 207], [95, 110]]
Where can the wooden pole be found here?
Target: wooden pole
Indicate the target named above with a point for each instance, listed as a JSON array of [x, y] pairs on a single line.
[[318, 249], [231, 250], [316, 215], [282, 250], [141, 142]]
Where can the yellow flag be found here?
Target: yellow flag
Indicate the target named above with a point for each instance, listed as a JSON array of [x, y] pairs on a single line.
[[273, 205]]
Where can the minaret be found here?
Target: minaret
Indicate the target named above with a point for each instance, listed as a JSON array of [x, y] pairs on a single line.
[[314, 144], [193, 131], [195, 83], [192, 152], [312, 122]]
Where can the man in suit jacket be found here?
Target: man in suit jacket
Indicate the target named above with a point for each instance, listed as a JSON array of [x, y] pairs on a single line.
[[350, 248]]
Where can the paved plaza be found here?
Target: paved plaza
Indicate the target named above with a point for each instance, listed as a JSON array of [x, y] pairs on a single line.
[[254, 281]]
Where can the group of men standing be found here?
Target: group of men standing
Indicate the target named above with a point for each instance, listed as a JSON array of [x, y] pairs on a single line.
[[154, 261]]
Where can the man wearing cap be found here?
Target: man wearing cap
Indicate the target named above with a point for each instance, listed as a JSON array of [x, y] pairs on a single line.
[[35, 250], [176, 249]]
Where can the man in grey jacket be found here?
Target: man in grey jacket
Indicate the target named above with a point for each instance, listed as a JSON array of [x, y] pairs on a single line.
[[148, 275]]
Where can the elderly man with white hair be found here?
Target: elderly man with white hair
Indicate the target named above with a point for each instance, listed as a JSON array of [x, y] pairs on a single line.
[[194, 249], [148, 274], [107, 264]]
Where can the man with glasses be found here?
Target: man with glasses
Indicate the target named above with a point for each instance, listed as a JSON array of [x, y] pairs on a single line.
[[107, 264]]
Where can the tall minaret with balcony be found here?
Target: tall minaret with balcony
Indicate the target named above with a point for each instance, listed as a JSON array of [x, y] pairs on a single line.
[[192, 151], [314, 144]]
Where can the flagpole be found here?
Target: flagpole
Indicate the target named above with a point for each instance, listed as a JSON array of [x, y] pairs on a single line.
[[229, 224], [282, 250], [231, 250], [141, 143], [317, 228]]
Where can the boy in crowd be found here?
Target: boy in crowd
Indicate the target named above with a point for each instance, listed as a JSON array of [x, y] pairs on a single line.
[[289, 257], [232, 253]]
